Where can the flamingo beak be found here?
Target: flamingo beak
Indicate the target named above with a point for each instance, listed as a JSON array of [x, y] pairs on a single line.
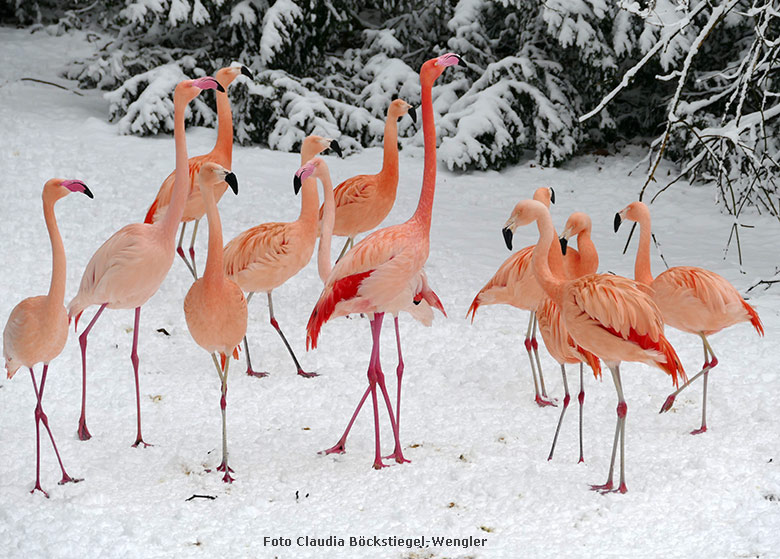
[[508, 234], [618, 221], [552, 197], [245, 71], [232, 181], [412, 114], [297, 184], [77, 186], [334, 145], [564, 244]]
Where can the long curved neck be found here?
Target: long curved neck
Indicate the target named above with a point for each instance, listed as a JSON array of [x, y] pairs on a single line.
[[224, 145], [213, 271], [324, 266], [170, 223], [642, 271], [390, 158], [589, 256], [425, 205], [551, 284], [57, 286]]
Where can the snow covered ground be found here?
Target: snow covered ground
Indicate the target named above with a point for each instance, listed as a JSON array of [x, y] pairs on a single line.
[[477, 441]]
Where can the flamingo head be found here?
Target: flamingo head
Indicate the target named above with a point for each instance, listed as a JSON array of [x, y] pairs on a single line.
[[213, 174], [59, 188], [226, 75], [545, 195], [577, 223], [399, 108], [525, 212], [635, 211], [434, 67], [190, 89], [314, 167]]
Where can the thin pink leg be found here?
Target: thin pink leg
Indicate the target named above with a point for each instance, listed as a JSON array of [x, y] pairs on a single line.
[[134, 359], [180, 251], [83, 432], [581, 398], [338, 448], [399, 372], [37, 444], [530, 339], [376, 327]]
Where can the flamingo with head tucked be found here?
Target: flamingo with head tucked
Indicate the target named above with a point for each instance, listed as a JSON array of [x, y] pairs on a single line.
[[610, 316], [222, 154], [37, 328], [691, 299], [382, 272], [514, 284], [129, 267], [264, 257]]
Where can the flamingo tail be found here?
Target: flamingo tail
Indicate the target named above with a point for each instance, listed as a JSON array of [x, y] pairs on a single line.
[[754, 320]]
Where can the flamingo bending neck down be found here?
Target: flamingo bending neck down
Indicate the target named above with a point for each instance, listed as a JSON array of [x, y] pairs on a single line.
[[691, 299], [215, 307], [222, 154], [610, 316], [37, 327], [129, 267], [363, 201], [381, 273], [514, 284], [264, 257]]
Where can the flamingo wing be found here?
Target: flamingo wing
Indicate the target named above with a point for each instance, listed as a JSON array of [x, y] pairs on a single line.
[[263, 245], [164, 195], [355, 190], [513, 284]]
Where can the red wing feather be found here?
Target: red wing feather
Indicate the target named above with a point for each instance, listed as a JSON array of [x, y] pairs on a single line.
[[672, 366], [152, 210], [754, 320], [342, 290]]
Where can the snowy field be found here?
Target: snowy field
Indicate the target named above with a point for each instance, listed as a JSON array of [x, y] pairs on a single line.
[[477, 441]]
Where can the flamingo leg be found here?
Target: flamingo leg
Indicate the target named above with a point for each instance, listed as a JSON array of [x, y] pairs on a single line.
[[535, 346], [83, 432], [581, 398], [397, 454], [134, 358], [338, 448], [566, 400], [223, 467], [192, 249], [37, 442], [41, 416], [376, 327], [620, 429], [541, 402], [275, 324], [710, 361], [347, 245], [249, 370], [399, 372], [180, 250]]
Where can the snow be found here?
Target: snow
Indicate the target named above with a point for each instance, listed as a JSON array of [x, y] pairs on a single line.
[[476, 440]]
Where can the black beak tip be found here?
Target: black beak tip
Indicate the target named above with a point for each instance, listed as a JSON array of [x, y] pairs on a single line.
[[564, 244], [297, 183], [220, 88], [334, 145], [247, 72], [618, 221], [88, 192], [552, 195], [413, 114], [461, 62], [232, 181], [507, 232]]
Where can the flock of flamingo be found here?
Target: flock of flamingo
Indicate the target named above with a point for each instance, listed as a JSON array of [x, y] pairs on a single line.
[[584, 317]]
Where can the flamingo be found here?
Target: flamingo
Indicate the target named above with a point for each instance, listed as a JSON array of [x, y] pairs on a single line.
[[556, 338], [691, 299], [129, 267], [37, 328], [221, 154], [264, 257], [363, 201], [421, 307], [215, 307], [382, 272], [610, 316], [514, 284]]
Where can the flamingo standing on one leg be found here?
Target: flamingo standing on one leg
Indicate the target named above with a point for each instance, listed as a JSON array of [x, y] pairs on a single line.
[[37, 328], [691, 299], [514, 284], [382, 272], [556, 338], [222, 154], [421, 307], [610, 316], [130, 266], [363, 201], [215, 307], [264, 257]]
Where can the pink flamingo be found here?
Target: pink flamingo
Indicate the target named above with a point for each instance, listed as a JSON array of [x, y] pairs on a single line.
[[556, 338], [37, 328], [222, 154], [264, 257], [514, 284], [422, 304], [363, 201], [610, 316], [382, 272], [130, 266], [215, 307], [691, 299]]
